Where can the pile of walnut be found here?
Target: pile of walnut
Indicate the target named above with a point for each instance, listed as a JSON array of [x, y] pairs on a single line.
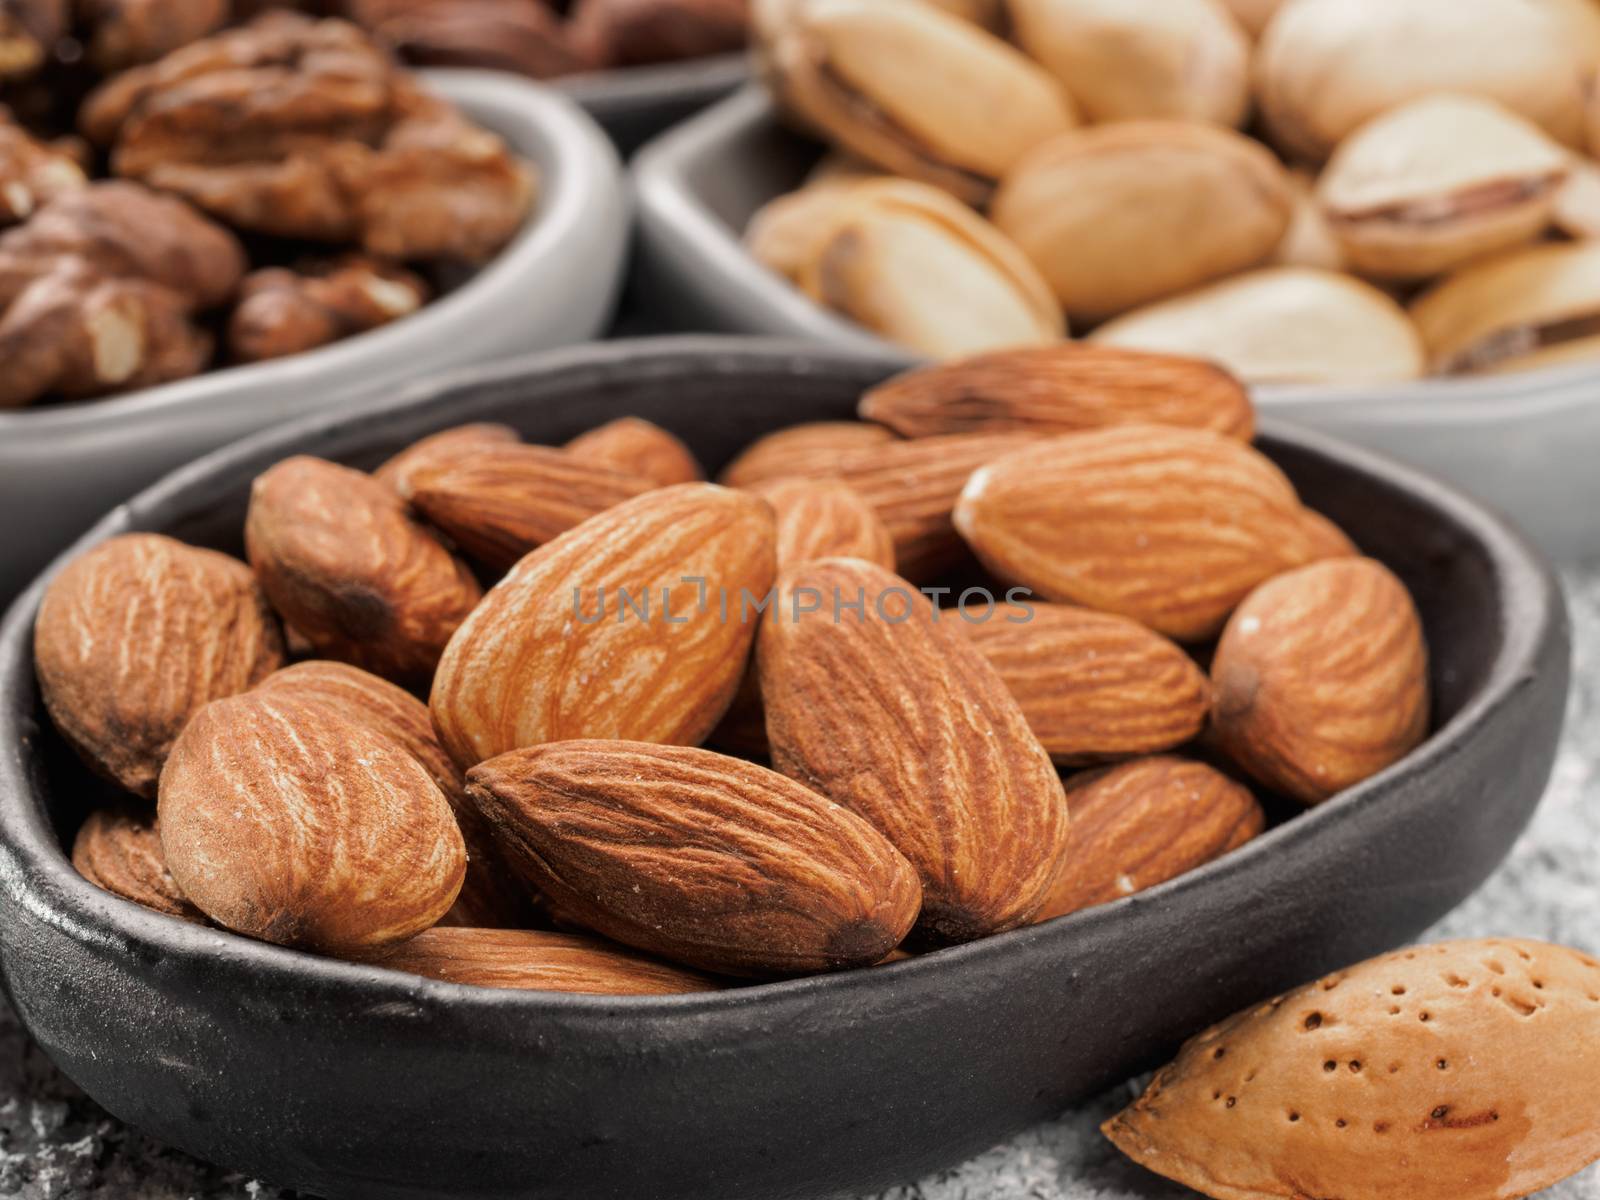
[[547, 820], [301, 134]]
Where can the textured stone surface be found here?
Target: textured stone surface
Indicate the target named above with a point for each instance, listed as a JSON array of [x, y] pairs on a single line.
[[55, 1144]]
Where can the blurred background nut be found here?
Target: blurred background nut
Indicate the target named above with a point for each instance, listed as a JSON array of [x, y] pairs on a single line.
[[1309, 240], [1122, 214], [1124, 59], [910, 88], [29, 31], [124, 33], [524, 36], [988, 13], [632, 33], [1438, 181], [1253, 15], [32, 172], [1281, 325], [283, 311]]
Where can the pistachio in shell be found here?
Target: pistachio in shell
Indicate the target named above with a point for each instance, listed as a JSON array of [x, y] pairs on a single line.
[[1577, 210], [1326, 67], [1310, 240], [1125, 59], [910, 88], [1438, 181], [1281, 325], [1253, 15], [1537, 306], [980, 12], [1120, 215]]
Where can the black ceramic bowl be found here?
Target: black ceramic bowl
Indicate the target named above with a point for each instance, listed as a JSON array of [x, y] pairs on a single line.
[[354, 1082]]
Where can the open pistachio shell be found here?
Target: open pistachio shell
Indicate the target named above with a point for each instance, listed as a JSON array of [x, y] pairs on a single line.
[[1281, 325], [1125, 59], [1310, 241], [786, 234], [1438, 181], [910, 88], [1326, 67], [1120, 215], [1577, 211], [1533, 307]]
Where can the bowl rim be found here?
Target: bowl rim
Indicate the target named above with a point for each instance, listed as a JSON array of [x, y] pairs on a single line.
[[571, 146], [670, 209], [35, 871], [615, 88]]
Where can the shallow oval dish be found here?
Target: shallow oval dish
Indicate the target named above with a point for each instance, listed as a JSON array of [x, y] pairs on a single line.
[[1522, 442], [554, 285], [350, 1081]]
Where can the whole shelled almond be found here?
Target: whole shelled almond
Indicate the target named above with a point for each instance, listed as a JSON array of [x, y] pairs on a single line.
[[1171, 527], [1144, 822], [825, 518], [1463, 1071], [119, 850], [135, 636], [1061, 389], [805, 450], [700, 858], [1321, 678], [1094, 687], [343, 562], [538, 961], [890, 711], [288, 823], [1327, 539], [636, 447], [444, 446], [503, 500], [556, 652]]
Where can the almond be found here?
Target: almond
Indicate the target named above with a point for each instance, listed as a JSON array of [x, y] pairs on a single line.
[[804, 450], [344, 563], [136, 635], [285, 822], [1327, 539], [1144, 822], [825, 518], [119, 850], [699, 858], [1464, 1071], [444, 446], [1094, 687], [491, 895], [1321, 678], [538, 961], [891, 712], [504, 500], [1171, 527], [634, 625], [632, 446], [1063, 388]]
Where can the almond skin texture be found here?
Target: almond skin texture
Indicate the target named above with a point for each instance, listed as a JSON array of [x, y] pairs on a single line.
[[895, 715], [532, 960], [1145, 822], [118, 849], [635, 447], [503, 501], [544, 660], [1464, 1071], [699, 858], [825, 518], [1094, 687], [286, 823], [1321, 678], [343, 562], [1171, 527], [1064, 388], [490, 895], [1327, 539], [805, 450], [445, 446], [135, 636]]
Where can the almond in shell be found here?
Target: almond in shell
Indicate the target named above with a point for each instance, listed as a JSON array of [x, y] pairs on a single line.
[[444, 446], [805, 450], [119, 850], [639, 448]]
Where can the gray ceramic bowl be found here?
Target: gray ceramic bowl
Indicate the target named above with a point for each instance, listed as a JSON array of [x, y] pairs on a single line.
[[353, 1082], [635, 104], [62, 466], [1523, 443]]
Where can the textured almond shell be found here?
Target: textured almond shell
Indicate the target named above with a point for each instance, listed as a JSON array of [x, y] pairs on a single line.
[[1144, 822], [1171, 527], [534, 960], [285, 822], [343, 562], [444, 446], [135, 636], [540, 661], [807, 450], [1094, 687], [1469, 1069], [700, 858], [1063, 388], [119, 850], [907, 725], [1321, 678], [636, 447]]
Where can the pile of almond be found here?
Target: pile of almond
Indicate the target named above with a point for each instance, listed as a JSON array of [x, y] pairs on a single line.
[[1028, 638]]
